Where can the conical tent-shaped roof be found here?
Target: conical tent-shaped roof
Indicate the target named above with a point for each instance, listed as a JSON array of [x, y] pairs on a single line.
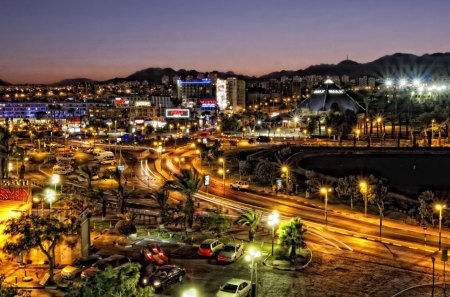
[[330, 96]]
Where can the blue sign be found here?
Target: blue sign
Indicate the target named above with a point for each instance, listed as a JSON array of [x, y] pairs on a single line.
[[121, 168]]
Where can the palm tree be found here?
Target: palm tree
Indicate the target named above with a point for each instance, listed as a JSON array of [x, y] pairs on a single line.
[[290, 234], [250, 218], [20, 153], [6, 150], [88, 172], [188, 182], [161, 197]]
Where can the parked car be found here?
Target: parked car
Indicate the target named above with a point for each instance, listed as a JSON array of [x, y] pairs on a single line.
[[155, 255], [71, 271], [239, 185], [62, 169], [64, 156], [231, 252], [115, 261], [108, 160], [163, 276], [235, 288], [265, 139], [210, 247]]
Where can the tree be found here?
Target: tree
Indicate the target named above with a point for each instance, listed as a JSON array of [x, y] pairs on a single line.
[[250, 218], [161, 197], [216, 222], [426, 208], [348, 187], [230, 124], [87, 172], [290, 235], [20, 153], [265, 171], [187, 183], [113, 283], [377, 194], [6, 150], [126, 224], [29, 231], [312, 181]]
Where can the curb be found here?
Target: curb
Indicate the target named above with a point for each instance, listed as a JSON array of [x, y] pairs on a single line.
[[290, 268], [415, 287]]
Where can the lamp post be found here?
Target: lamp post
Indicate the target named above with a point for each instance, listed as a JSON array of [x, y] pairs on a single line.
[[273, 220], [440, 207], [324, 191], [199, 153], [378, 125], [285, 169], [50, 196], [363, 187], [222, 160], [329, 133], [432, 131], [36, 200], [250, 257], [55, 180]]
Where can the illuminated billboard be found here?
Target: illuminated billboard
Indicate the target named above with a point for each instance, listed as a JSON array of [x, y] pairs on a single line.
[[177, 113], [121, 101], [221, 93]]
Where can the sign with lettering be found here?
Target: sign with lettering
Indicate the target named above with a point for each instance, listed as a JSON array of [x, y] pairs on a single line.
[[177, 113], [18, 190], [206, 182]]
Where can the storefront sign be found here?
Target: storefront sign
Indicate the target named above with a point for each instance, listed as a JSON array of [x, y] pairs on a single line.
[[177, 113]]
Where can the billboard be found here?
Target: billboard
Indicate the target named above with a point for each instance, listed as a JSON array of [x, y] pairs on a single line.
[[121, 101], [221, 93], [177, 113], [15, 190]]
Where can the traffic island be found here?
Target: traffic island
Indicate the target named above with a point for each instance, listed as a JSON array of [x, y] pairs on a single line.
[[281, 261]]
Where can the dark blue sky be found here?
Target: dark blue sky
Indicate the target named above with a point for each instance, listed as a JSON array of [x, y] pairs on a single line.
[[46, 40]]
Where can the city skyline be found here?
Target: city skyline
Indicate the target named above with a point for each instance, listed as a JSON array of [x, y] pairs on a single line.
[[48, 41]]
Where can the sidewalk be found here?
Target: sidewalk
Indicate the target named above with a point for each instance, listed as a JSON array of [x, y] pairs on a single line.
[[26, 277]]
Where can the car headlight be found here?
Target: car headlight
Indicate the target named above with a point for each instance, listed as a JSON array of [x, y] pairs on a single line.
[[156, 283]]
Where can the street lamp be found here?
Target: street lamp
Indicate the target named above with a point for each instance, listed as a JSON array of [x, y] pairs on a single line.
[[285, 169], [363, 187], [222, 160], [36, 200], [324, 191], [250, 257], [55, 180], [329, 133], [432, 131], [440, 207], [378, 124], [272, 221], [50, 196], [190, 293], [199, 153]]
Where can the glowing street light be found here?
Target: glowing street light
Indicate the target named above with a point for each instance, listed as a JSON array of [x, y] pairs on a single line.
[[389, 83], [324, 191], [272, 221], [363, 187], [440, 207], [285, 169], [190, 293], [50, 196], [416, 82], [329, 133], [222, 160], [402, 82], [251, 257], [55, 179]]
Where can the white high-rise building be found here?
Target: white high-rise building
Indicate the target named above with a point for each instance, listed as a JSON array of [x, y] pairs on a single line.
[[231, 93]]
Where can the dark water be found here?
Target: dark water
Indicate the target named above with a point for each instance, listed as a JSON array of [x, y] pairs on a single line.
[[409, 174]]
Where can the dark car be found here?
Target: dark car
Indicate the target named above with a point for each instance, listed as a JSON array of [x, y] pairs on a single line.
[[263, 139], [115, 261], [71, 271], [163, 276]]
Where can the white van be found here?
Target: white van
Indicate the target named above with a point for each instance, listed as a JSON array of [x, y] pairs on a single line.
[[101, 155], [108, 160]]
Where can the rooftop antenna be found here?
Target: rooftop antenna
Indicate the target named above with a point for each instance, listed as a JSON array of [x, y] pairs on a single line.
[[347, 57]]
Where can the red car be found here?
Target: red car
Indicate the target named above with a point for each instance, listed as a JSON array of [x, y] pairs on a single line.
[[154, 254], [210, 247]]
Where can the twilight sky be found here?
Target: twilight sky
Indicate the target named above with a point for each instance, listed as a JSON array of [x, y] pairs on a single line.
[[48, 40]]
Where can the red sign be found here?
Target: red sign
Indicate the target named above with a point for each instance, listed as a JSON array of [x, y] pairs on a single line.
[[14, 194], [177, 113]]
